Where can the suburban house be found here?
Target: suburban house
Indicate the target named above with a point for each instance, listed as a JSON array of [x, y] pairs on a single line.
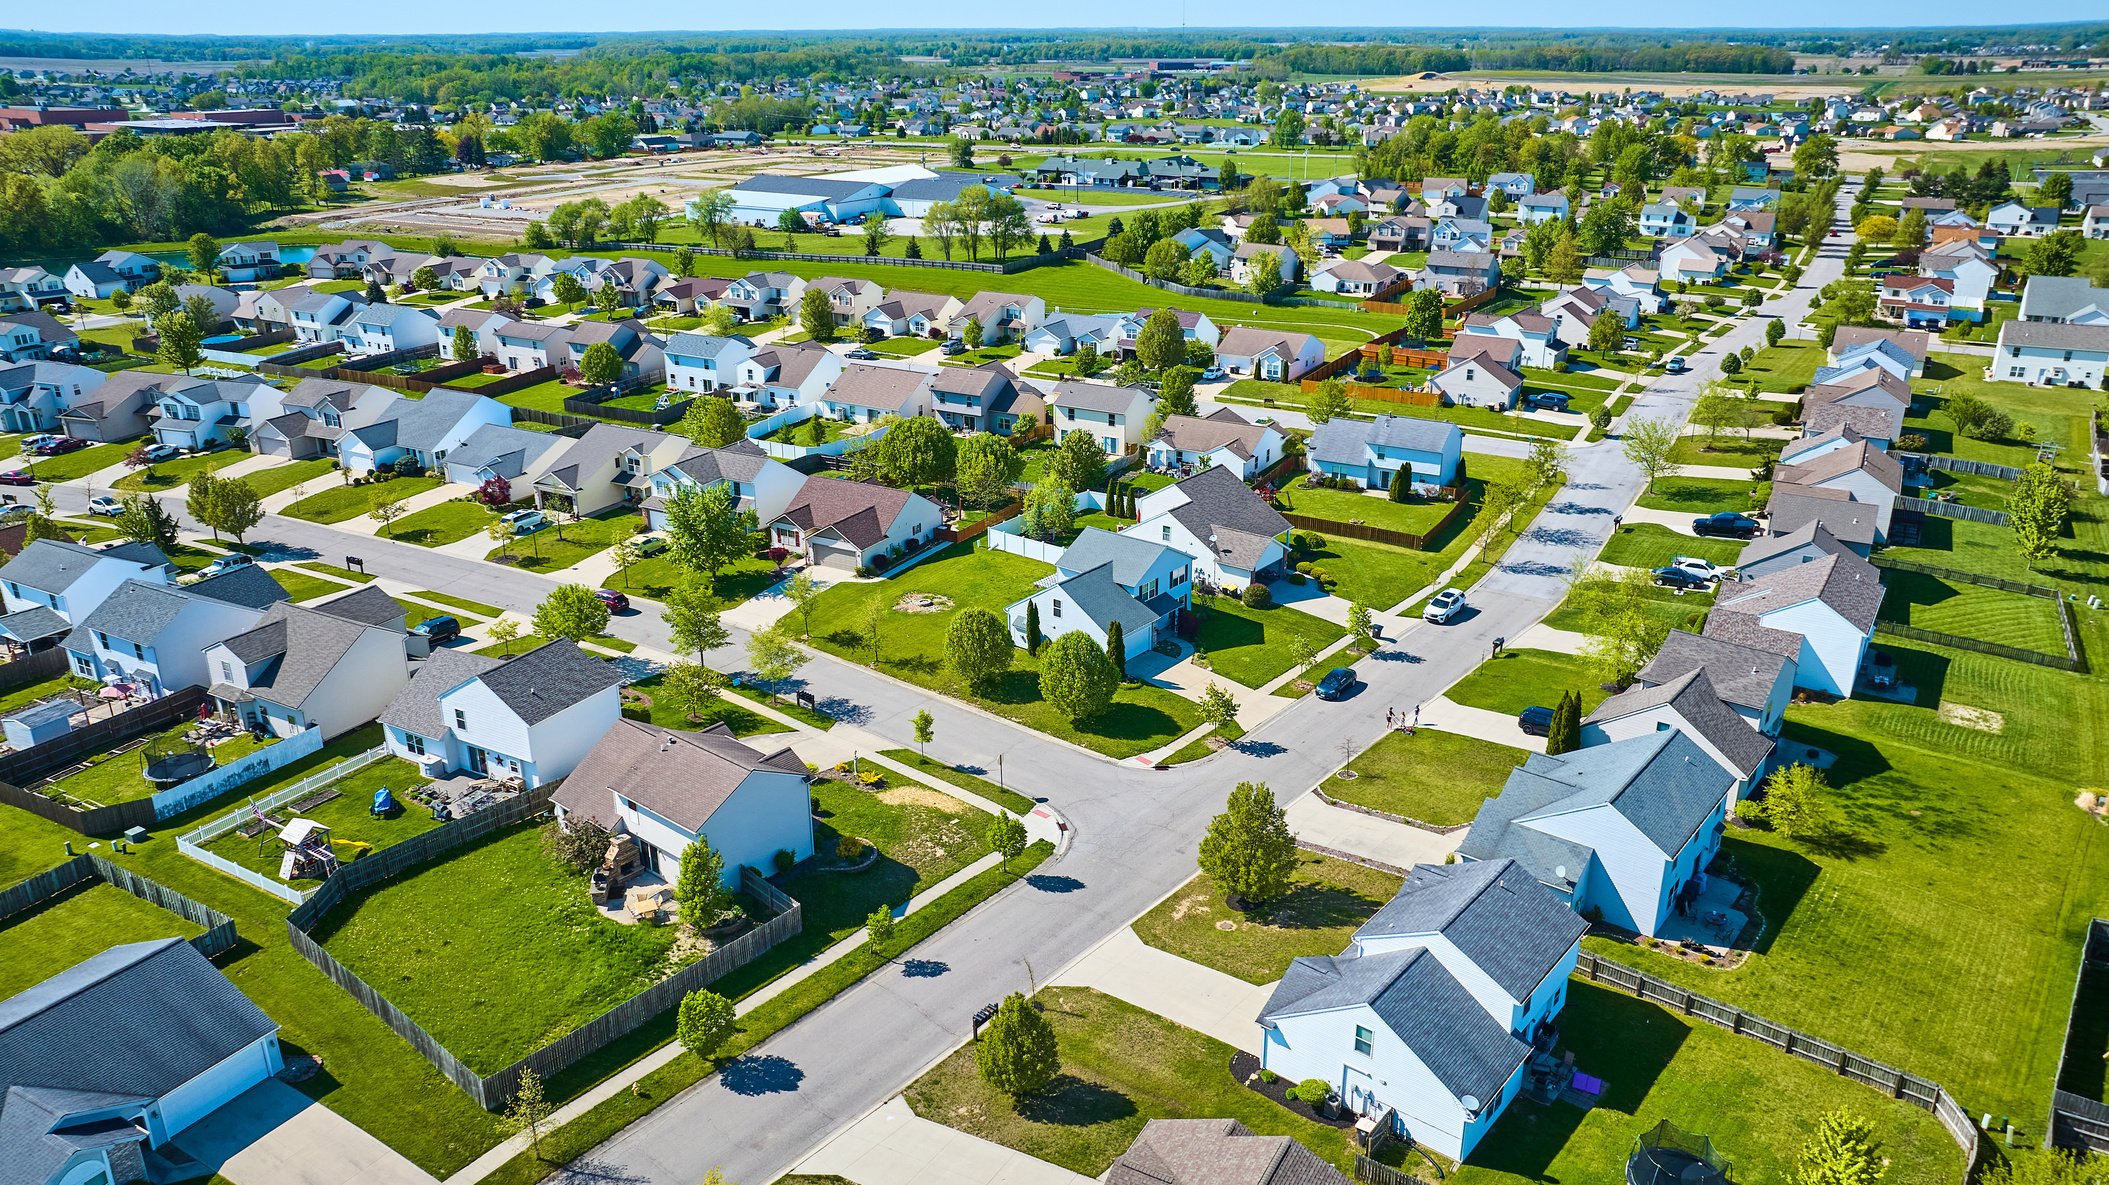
[[1112, 416], [848, 525], [2013, 218], [1354, 277], [317, 316], [117, 410], [848, 300], [1806, 543], [333, 666], [1374, 452], [1248, 254], [153, 636], [24, 288], [1836, 461], [1870, 404], [1233, 535], [1574, 312], [425, 429], [197, 413], [1902, 352], [1060, 335], [762, 295], [1269, 354], [778, 376], [911, 314], [1828, 606], [1621, 830], [1756, 684], [1664, 220], [533, 716], [1459, 273], [27, 337], [667, 788], [1222, 437], [1482, 371], [1103, 579], [1400, 232], [386, 328], [1541, 207], [71, 579], [1639, 281], [1216, 1152], [755, 480], [1193, 327], [512, 274], [2068, 300], [2051, 354], [611, 465], [503, 452], [1916, 302], [1537, 338], [1433, 1012], [311, 419], [866, 392], [32, 394], [1969, 271], [89, 280], [1689, 704], [1696, 259], [985, 398], [1004, 316], [248, 262], [175, 1042], [689, 296]]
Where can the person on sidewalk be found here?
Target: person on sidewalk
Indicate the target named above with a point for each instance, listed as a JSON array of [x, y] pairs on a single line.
[[1389, 719], [1416, 725]]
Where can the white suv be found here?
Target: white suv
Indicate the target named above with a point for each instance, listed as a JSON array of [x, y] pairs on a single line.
[[1447, 604]]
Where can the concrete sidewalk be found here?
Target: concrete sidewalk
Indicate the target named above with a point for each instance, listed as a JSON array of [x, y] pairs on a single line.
[[1676, 520], [1316, 822], [1184, 992], [1545, 637], [895, 1146]]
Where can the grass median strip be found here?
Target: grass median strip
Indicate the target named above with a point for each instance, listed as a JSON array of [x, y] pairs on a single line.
[[583, 1134], [1012, 800]]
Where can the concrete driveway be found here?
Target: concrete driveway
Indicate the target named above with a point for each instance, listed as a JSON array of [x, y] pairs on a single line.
[[894, 1146], [275, 1135], [1180, 990]]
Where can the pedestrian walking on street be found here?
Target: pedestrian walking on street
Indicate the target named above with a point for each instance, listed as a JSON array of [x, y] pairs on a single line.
[[1390, 721]]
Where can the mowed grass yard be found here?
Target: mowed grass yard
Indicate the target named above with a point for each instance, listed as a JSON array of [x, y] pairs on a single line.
[[1327, 901], [1417, 516], [169, 475], [1972, 611], [342, 502], [122, 777], [1438, 778], [348, 816], [1652, 545], [1253, 646], [1953, 887], [82, 922], [81, 462], [1703, 495], [285, 475], [495, 949], [550, 549], [1517, 679], [448, 522], [911, 646]]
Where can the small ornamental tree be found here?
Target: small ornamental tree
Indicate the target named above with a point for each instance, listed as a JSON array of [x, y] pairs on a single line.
[[978, 645], [1017, 1053], [878, 929], [700, 889], [1218, 706], [1249, 851], [1006, 836], [1117, 650], [1033, 637], [1841, 1151], [571, 611], [705, 1021], [925, 726], [1075, 677]]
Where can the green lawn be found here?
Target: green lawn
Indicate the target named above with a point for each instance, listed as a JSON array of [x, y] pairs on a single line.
[[1328, 899], [343, 502], [2055, 414], [170, 474], [303, 587], [1673, 609], [81, 462], [1375, 574], [719, 711], [82, 922], [12, 700], [1437, 778], [965, 779], [912, 647], [1701, 495], [496, 949], [121, 778], [546, 551], [1519, 679], [476, 607], [285, 475], [448, 522], [1658, 1065], [1252, 646], [1652, 545], [923, 836], [348, 816], [1121, 1067], [1784, 369], [1415, 517], [1725, 451], [1972, 611], [1485, 419]]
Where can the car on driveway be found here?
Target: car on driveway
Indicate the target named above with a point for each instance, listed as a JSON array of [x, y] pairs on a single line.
[[1725, 524], [1679, 579], [18, 477], [60, 444], [36, 443], [525, 522], [1214, 374], [1703, 569], [1535, 722], [439, 630], [861, 354], [226, 563], [157, 453], [10, 510], [615, 601], [1447, 604], [651, 543], [952, 347], [105, 504], [1545, 401], [1337, 683]]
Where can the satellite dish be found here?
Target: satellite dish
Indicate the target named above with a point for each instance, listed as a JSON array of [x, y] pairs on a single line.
[[1471, 1104]]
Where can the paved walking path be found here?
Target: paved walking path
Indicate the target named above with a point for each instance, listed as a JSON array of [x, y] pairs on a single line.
[[894, 1146], [1317, 822], [1180, 990]]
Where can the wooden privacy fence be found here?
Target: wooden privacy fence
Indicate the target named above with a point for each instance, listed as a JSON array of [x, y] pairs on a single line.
[[2078, 1121], [1923, 1093], [976, 530], [1975, 514], [1370, 534], [508, 384], [2069, 628], [48, 663], [28, 894], [1960, 465], [33, 764], [492, 1091]]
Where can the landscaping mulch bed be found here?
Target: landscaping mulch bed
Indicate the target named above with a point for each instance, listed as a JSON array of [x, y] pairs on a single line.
[[1245, 1068]]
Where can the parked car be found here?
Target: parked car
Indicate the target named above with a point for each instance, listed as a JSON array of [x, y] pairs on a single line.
[[1703, 569], [1545, 401], [1679, 579], [440, 630], [1882, 670], [1337, 683], [1535, 722], [1447, 604], [861, 354], [1214, 374], [9, 510], [17, 477], [36, 443], [226, 563], [952, 347], [525, 522], [61, 444], [157, 453], [652, 543], [105, 504], [1726, 524], [1674, 364], [615, 601]]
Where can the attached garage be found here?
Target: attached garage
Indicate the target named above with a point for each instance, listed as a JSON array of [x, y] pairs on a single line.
[[830, 552]]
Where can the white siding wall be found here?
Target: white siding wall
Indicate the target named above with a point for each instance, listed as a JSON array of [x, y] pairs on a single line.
[[1631, 891], [206, 1093], [361, 684], [558, 744], [1322, 1045], [1831, 648]]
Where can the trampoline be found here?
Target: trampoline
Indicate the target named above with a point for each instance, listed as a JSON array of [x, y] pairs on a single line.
[[1667, 1155]]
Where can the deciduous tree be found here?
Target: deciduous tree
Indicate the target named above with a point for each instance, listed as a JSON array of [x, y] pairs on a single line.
[[1843, 1149], [705, 1022], [1648, 445], [978, 646], [986, 467], [1249, 851], [1017, 1053], [707, 529], [700, 888], [1075, 678], [571, 611], [2038, 508]]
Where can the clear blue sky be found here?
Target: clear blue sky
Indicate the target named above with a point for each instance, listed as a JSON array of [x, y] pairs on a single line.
[[452, 16]]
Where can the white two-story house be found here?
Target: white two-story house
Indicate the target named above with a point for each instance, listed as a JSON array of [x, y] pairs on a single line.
[[533, 717]]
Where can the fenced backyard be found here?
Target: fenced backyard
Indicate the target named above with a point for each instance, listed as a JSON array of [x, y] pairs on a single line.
[[26, 895], [194, 843], [1923, 1093], [2014, 628], [2079, 1120]]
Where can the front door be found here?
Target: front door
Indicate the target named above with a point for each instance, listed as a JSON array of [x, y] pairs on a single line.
[[479, 763]]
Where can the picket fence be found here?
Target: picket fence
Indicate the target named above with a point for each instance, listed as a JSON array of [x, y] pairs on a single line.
[[192, 843]]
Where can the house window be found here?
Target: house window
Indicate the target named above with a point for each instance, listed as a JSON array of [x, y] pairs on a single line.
[[1165, 532], [461, 719], [414, 743], [1057, 607], [226, 672], [1364, 1040]]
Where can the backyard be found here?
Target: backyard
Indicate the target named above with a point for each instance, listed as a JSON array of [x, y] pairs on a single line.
[[1432, 777], [354, 831], [1972, 611], [120, 776], [911, 646], [1328, 899], [1253, 646], [83, 921]]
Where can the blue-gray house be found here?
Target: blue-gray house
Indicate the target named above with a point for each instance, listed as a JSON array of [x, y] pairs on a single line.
[[1372, 453]]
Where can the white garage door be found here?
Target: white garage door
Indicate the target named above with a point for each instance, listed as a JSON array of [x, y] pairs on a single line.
[[834, 555]]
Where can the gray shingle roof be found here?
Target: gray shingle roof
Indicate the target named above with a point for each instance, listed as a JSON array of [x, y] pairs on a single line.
[[2054, 336], [415, 708], [1104, 601], [1741, 675], [1131, 557], [302, 647], [504, 450], [1495, 913], [1420, 1002], [33, 623], [549, 679], [1219, 503], [2059, 297], [1848, 584], [135, 611], [251, 587], [53, 565], [683, 777], [1216, 1152], [1661, 782], [1794, 506], [1692, 696], [1343, 441]]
